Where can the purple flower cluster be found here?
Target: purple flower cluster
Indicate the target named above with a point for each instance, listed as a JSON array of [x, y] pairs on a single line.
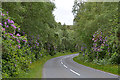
[[7, 32], [18, 46], [34, 41], [99, 41]]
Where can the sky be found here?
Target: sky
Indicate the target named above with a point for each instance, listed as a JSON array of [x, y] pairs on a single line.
[[63, 12]]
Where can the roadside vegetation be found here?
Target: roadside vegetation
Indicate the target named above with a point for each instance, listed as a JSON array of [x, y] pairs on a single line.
[[31, 35], [37, 67], [98, 34], [99, 65]]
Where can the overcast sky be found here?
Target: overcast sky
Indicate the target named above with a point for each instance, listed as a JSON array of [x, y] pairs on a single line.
[[63, 11]]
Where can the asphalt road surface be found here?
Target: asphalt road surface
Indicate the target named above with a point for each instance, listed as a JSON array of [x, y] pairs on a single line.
[[65, 67]]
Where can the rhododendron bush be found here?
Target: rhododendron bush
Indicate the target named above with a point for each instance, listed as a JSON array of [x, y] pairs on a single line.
[[17, 54], [97, 27]]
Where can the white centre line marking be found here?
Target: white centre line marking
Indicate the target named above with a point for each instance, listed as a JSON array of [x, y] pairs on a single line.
[[70, 69], [75, 72], [65, 66], [61, 62]]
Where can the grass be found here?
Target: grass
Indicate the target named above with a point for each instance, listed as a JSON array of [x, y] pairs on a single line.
[[107, 68], [36, 67]]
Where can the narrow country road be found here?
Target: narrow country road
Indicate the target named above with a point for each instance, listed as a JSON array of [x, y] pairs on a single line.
[[65, 67]]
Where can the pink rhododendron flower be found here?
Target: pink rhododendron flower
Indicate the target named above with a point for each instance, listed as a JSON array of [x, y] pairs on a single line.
[[8, 21], [14, 37], [11, 34], [18, 41], [102, 44], [3, 14], [1, 24], [7, 26], [12, 21], [5, 22], [3, 29], [18, 29], [18, 34], [13, 26], [24, 40], [18, 46]]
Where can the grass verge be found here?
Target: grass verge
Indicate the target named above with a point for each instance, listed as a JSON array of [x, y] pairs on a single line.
[[36, 67], [107, 68]]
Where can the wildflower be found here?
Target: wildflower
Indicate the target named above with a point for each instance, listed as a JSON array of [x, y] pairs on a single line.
[[93, 39], [30, 62]]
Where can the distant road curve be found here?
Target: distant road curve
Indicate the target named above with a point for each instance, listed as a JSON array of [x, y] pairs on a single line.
[[65, 67]]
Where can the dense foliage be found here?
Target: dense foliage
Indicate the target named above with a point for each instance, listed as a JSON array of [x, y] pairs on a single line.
[[30, 32], [97, 30]]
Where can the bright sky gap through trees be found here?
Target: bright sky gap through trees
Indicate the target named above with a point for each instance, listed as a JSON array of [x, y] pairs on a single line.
[[63, 12]]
